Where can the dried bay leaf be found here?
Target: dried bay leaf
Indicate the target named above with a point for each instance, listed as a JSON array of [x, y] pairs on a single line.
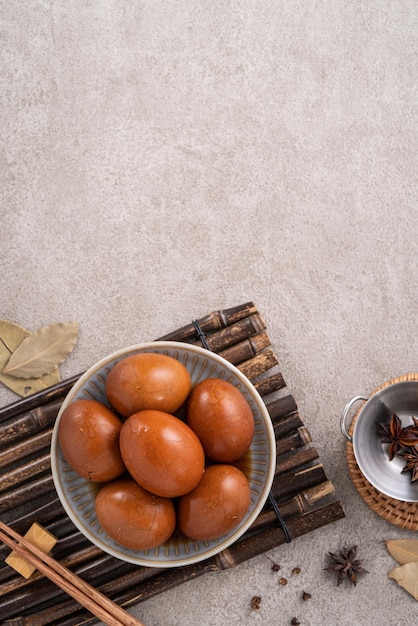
[[25, 387], [403, 550], [407, 577], [12, 334], [42, 351]]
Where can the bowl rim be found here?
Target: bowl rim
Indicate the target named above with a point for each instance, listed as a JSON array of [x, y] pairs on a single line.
[[225, 541]]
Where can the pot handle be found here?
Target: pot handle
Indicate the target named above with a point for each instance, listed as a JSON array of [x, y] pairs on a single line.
[[344, 414]]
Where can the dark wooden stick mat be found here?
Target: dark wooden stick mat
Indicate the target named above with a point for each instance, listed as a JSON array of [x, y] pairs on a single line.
[[301, 491]]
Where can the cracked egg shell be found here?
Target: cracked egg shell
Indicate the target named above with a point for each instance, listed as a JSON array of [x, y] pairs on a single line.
[[216, 506], [88, 434], [161, 453], [147, 381], [134, 517]]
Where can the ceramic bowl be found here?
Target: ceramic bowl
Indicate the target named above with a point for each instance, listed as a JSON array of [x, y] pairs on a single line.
[[77, 495], [370, 453]]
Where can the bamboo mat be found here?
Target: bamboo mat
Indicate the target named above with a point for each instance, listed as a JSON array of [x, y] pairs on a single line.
[[301, 495], [403, 514]]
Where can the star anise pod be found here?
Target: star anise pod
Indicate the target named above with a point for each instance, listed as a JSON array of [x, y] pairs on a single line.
[[411, 456], [346, 565], [397, 436], [414, 428]]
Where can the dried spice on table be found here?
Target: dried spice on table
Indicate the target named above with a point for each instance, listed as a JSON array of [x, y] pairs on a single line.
[[256, 603], [345, 565], [275, 566]]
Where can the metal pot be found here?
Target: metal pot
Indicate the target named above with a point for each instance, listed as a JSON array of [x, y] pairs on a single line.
[[370, 453]]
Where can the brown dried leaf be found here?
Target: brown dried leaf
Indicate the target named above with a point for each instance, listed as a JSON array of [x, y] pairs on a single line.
[[42, 351], [12, 334], [407, 577], [25, 387], [403, 550]]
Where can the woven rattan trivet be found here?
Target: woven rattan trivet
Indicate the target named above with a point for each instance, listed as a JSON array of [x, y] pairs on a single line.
[[403, 514]]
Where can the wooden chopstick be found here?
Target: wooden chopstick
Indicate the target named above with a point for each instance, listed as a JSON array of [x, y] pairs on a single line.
[[97, 603]]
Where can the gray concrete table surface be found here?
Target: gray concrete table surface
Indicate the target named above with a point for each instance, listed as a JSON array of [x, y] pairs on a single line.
[[161, 160]]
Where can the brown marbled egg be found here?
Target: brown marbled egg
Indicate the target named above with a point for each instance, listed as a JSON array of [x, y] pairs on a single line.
[[134, 517], [88, 433], [161, 453], [217, 505], [222, 419], [147, 381]]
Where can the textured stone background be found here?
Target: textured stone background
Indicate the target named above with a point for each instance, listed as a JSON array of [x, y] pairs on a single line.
[[161, 160]]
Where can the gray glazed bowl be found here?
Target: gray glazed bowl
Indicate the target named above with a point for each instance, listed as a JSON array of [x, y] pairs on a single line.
[[77, 495], [370, 453]]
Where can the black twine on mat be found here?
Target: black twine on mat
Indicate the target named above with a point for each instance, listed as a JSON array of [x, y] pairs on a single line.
[[280, 517], [200, 334], [273, 502]]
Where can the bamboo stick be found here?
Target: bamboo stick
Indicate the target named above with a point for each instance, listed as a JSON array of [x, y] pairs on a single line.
[[296, 439], [211, 322], [298, 504], [301, 457], [284, 425], [306, 481], [259, 364], [246, 349], [270, 384], [38, 399], [234, 334], [26, 471], [26, 447], [29, 423], [23, 494], [282, 406], [51, 510]]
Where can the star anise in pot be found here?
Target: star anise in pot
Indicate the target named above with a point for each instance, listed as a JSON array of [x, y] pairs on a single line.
[[398, 436], [346, 565], [411, 457]]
